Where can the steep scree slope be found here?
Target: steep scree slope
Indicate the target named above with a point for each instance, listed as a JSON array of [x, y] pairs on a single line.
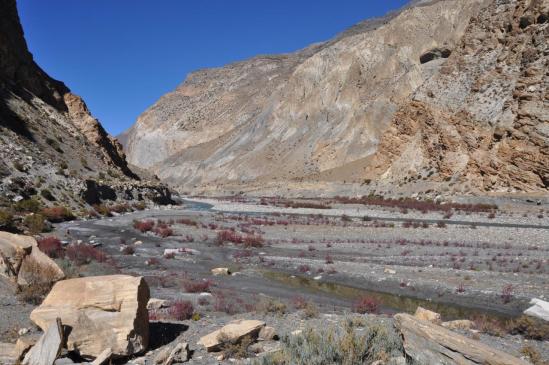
[[442, 96], [48, 138]]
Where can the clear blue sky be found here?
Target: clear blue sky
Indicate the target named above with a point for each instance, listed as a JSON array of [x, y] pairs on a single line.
[[122, 55]]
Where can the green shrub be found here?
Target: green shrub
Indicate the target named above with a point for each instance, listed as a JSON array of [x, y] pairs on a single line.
[[27, 206], [270, 305], [337, 345], [35, 223], [6, 219]]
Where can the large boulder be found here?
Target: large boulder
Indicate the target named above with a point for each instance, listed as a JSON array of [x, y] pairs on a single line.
[[23, 263], [104, 312], [428, 343], [233, 332]]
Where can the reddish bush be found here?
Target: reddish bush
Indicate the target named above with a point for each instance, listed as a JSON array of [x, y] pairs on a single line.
[[299, 302], [192, 286], [57, 214], [507, 293], [252, 240], [366, 304], [143, 226], [163, 231], [228, 236], [51, 246], [84, 254], [181, 310], [187, 222], [303, 268], [128, 250], [328, 259]]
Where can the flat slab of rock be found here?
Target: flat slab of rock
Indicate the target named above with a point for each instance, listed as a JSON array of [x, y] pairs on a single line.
[[105, 312], [233, 332], [428, 343], [155, 304], [173, 354], [539, 309], [48, 348]]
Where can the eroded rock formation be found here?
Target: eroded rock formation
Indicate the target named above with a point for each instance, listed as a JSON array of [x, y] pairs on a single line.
[[441, 96]]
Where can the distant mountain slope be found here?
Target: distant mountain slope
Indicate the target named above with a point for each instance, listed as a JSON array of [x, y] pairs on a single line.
[[344, 116], [49, 141]]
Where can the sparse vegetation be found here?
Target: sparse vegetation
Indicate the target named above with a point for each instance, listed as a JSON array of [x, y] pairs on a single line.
[[51, 246], [341, 344], [35, 223], [58, 214]]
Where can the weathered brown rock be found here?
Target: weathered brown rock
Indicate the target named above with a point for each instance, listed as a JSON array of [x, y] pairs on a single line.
[[105, 312], [266, 334], [173, 354], [221, 271], [48, 347], [23, 345], [233, 332], [428, 343], [22, 261], [459, 324], [427, 315]]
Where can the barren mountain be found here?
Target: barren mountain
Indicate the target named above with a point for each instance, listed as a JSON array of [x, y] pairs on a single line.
[[442, 96], [51, 147]]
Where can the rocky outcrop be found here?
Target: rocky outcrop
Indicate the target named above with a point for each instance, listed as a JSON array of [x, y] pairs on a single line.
[[48, 137], [428, 343], [23, 263], [294, 116], [443, 96], [104, 312], [479, 124]]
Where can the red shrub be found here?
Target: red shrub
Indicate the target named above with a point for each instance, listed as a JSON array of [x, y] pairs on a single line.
[[187, 222], [163, 231], [299, 302], [252, 240], [51, 246], [328, 259], [303, 268], [143, 226], [128, 250], [228, 236], [57, 214], [181, 310], [507, 293], [84, 254], [197, 286], [366, 304]]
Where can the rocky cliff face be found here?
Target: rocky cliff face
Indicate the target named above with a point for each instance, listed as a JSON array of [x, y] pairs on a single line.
[[353, 114], [48, 138]]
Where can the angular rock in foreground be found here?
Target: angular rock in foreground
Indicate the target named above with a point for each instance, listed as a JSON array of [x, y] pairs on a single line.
[[428, 343], [48, 348], [232, 332], [105, 312]]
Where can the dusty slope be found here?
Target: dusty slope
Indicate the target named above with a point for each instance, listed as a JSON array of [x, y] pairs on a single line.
[[331, 114], [48, 138]]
